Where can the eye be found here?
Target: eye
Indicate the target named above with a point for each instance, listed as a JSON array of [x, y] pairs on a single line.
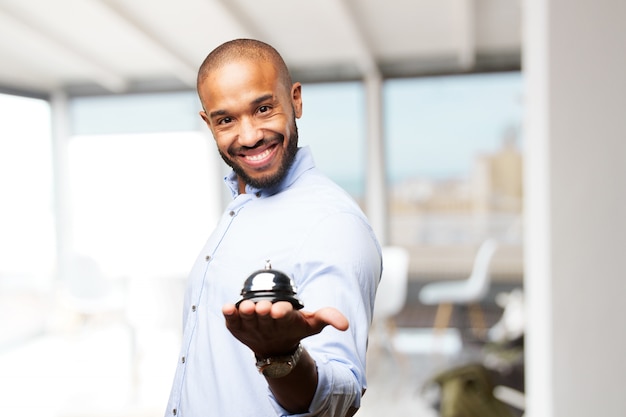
[[224, 121], [264, 109]]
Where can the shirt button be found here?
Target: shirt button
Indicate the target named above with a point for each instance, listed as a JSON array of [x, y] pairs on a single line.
[[193, 308], [182, 360], [231, 214], [207, 258], [174, 411], [258, 194]]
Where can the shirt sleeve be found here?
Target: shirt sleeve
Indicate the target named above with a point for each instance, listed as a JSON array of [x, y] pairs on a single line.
[[338, 265], [336, 393]]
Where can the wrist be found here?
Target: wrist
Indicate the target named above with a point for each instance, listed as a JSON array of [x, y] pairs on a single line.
[[280, 365]]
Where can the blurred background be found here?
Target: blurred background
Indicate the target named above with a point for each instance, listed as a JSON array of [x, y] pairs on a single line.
[[445, 120]]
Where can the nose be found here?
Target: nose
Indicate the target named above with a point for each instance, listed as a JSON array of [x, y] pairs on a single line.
[[249, 132]]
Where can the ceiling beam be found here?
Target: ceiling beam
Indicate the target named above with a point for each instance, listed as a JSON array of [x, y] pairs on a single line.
[[185, 70], [467, 34], [240, 16], [366, 61], [104, 76]]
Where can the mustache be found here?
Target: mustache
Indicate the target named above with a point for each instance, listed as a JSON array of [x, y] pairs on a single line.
[[274, 140]]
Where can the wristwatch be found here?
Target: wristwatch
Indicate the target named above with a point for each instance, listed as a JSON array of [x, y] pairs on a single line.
[[279, 366]]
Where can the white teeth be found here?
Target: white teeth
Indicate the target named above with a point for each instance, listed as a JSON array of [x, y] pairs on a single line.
[[258, 157]]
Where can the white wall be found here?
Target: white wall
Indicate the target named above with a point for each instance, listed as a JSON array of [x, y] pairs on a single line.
[[575, 69]]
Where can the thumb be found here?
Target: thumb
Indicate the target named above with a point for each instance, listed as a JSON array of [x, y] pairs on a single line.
[[331, 316]]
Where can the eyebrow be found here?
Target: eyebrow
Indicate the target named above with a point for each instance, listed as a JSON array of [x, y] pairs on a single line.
[[217, 113], [256, 101], [263, 98]]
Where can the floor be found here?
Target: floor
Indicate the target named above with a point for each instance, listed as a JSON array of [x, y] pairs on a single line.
[[401, 366], [398, 381], [85, 370]]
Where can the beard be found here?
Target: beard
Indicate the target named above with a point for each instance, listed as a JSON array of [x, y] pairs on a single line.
[[271, 180]]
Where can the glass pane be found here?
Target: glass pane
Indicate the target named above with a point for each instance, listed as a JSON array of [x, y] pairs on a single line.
[[454, 153], [142, 203], [135, 113], [27, 241], [333, 125]]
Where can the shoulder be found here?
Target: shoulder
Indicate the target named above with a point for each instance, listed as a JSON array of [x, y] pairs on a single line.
[[316, 191]]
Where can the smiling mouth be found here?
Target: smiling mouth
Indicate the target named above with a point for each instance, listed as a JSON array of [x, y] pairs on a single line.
[[258, 157], [259, 161]]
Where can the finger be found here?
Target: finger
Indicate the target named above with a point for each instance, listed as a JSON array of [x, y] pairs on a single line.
[[229, 309], [281, 309], [265, 323], [247, 309], [331, 316], [269, 312], [231, 316], [247, 316], [263, 308]]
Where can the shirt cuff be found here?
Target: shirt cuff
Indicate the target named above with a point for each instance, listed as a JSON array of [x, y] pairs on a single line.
[[337, 391]]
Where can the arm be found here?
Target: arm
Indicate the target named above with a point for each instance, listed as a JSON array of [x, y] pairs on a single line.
[[274, 329], [341, 272]]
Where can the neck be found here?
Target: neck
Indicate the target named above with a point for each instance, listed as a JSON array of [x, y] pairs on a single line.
[[242, 186]]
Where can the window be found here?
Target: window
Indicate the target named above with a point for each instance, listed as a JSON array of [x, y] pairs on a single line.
[[26, 188], [142, 191], [454, 157], [142, 204], [333, 125], [27, 236]]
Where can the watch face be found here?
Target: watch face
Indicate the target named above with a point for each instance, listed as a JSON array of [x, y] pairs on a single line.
[[279, 366], [277, 369]]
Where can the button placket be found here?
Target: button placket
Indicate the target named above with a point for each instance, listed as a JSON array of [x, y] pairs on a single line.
[[227, 219]]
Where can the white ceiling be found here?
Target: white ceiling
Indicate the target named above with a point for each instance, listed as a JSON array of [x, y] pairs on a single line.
[[116, 46]]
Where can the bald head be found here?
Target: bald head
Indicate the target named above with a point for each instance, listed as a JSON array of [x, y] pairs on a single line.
[[244, 49]]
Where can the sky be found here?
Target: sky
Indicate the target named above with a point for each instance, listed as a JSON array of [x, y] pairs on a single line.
[[433, 126]]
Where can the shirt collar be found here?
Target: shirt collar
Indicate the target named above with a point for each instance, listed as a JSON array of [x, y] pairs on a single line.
[[301, 163]]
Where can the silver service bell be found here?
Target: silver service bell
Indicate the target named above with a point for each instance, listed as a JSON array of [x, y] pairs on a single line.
[[269, 284]]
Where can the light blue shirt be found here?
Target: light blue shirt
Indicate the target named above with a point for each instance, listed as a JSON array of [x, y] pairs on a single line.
[[313, 231]]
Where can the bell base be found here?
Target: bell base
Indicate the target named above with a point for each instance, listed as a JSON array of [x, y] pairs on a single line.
[[297, 305]]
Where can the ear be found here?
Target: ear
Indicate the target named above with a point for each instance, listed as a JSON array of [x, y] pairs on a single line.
[[296, 99], [204, 117]]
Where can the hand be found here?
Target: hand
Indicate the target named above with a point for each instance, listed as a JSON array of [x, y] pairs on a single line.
[[271, 329]]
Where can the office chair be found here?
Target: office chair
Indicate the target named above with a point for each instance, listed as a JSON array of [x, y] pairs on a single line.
[[470, 291], [391, 294]]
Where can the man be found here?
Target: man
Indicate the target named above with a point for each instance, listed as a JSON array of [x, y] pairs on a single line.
[[310, 361]]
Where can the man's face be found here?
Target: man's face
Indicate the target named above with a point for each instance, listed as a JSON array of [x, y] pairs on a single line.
[[253, 120]]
